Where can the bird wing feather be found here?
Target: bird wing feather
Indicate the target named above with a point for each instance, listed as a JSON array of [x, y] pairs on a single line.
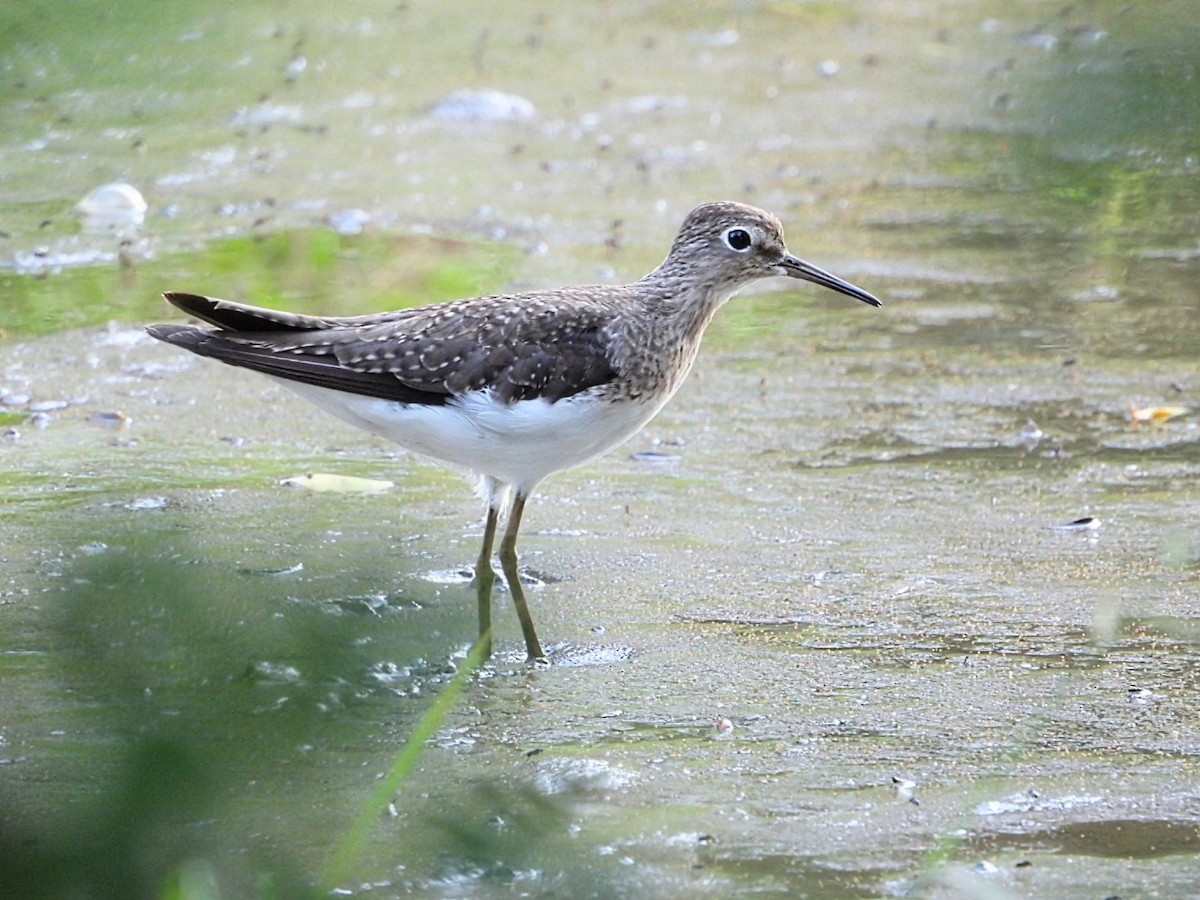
[[518, 346]]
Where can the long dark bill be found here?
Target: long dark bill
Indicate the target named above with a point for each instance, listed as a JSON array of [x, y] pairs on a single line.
[[798, 268]]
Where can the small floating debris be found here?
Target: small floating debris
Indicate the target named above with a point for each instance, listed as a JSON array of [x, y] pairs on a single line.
[[1141, 696], [375, 604], [1100, 293], [1030, 435], [267, 672], [1024, 802], [324, 483], [274, 573], [562, 775], [724, 726], [112, 207], [293, 69], [463, 575], [483, 106], [904, 788], [1087, 523], [348, 222], [263, 115], [114, 419], [1154, 415], [725, 38], [562, 656], [656, 457], [142, 503], [48, 406], [1174, 254]]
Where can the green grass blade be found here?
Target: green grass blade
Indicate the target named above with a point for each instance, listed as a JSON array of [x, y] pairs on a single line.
[[347, 850]]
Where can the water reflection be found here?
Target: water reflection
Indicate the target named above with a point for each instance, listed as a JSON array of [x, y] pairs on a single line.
[[204, 691]]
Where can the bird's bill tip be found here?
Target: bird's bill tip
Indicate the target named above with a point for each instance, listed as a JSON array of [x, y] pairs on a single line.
[[798, 268]]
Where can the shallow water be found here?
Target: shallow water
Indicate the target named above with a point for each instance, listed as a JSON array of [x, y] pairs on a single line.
[[818, 629]]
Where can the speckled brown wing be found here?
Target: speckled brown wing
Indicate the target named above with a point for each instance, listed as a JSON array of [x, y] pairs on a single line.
[[521, 346]]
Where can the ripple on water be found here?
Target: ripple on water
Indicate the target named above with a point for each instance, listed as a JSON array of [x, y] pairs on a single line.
[[582, 776]]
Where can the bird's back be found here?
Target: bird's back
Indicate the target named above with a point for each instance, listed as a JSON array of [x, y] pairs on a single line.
[[521, 346]]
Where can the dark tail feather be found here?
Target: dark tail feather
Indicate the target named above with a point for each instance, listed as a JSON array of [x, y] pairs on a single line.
[[322, 371], [230, 316]]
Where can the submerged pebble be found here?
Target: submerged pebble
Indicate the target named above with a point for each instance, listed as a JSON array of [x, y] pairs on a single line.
[[48, 406], [1087, 523], [903, 788], [276, 673], [112, 207], [273, 573], [146, 503], [114, 419], [1030, 435], [563, 775], [1141, 696], [483, 106], [348, 221], [654, 456], [462, 575], [265, 114], [577, 655], [725, 38]]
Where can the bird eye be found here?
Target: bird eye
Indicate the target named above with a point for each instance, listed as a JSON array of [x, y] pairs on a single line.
[[738, 239]]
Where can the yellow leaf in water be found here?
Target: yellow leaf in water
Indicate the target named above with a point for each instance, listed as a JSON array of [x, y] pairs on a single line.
[[340, 484], [1155, 415]]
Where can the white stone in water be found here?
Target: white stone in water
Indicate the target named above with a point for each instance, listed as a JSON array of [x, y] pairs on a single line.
[[348, 221], [264, 114], [113, 205], [483, 106]]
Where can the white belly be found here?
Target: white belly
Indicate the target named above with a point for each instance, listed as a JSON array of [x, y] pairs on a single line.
[[517, 445]]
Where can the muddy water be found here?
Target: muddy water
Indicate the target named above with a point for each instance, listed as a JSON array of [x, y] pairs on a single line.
[[819, 630]]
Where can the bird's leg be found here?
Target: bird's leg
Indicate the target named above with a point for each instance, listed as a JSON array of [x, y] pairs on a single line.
[[508, 564], [485, 577]]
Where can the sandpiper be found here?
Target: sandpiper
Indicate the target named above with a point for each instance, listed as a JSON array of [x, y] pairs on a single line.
[[513, 387]]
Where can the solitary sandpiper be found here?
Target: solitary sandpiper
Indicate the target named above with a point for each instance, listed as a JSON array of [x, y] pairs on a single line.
[[514, 387]]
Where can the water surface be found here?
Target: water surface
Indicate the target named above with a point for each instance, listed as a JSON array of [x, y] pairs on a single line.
[[819, 632]]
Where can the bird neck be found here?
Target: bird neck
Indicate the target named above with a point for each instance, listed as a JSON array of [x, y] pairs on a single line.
[[657, 345], [685, 297]]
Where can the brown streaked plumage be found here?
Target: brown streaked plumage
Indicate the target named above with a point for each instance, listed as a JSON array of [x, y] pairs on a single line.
[[511, 387]]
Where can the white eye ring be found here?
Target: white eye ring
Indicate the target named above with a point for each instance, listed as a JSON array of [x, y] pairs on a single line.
[[738, 239]]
